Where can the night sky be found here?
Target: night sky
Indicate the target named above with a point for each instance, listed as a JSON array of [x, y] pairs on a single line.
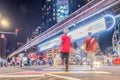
[[22, 14]]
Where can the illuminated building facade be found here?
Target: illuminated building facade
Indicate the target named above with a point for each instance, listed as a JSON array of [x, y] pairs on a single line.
[[54, 11]]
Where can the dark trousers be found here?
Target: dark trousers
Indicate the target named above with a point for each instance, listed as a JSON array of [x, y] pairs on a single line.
[[65, 58]]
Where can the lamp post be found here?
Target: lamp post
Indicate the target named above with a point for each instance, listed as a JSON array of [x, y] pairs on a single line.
[[4, 23], [3, 41]]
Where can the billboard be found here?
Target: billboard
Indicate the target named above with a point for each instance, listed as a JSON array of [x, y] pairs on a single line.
[[93, 27]]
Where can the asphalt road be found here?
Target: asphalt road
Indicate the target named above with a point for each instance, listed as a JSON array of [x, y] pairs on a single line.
[[76, 72]]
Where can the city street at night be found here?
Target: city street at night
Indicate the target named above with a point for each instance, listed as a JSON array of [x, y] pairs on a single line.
[[59, 39]]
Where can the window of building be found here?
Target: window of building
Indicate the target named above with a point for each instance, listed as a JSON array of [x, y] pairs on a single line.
[[53, 14], [53, 5], [44, 6], [48, 0], [53, 18], [49, 7], [78, 5], [53, 10], [49, 19]]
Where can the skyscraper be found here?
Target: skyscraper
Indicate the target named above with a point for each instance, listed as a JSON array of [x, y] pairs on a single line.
[[48, 13], [76, 4], [54, 11]]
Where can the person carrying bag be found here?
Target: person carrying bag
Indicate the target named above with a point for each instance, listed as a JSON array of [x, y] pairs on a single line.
[[57, 58]]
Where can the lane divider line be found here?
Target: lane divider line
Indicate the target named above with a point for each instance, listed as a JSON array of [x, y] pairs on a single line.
[[63, 77], [13, 76], [83, 72]]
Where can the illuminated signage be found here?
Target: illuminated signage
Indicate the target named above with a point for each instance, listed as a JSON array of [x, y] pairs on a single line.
[[93, 27], [49, 44], [110, 21]]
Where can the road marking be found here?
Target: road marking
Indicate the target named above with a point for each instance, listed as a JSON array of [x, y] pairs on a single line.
[[26, 73], [63, 77], [29, 72], [12, 76], [83, 72]]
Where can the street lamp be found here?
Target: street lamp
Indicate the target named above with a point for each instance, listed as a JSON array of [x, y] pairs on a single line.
[[4, 23], [3, 41]]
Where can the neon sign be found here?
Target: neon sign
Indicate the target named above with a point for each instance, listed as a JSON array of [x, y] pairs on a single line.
[[112, 21]]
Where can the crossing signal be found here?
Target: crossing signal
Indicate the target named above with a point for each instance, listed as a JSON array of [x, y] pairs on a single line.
[[16, 31]]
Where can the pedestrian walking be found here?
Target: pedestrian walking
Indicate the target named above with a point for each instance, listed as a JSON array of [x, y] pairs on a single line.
[[56, 58], [65, 49], [13, 61], [1, 62], [90, 46], [50, 61]]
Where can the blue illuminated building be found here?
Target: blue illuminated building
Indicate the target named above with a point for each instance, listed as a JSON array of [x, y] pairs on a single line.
[[54, 11]]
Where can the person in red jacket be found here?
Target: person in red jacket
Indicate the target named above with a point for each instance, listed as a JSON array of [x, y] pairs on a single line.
[[91, 45], [65, 48]]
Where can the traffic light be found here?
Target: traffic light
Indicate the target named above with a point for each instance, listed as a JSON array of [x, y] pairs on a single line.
[[16, 31], [3, 36]]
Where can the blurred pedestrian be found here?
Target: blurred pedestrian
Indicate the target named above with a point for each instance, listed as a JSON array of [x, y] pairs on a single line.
[[1, 62], [50, 61], [90, 46], [65, 49], [56, 58], [5, 62], [37, 62], [13, 61]]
